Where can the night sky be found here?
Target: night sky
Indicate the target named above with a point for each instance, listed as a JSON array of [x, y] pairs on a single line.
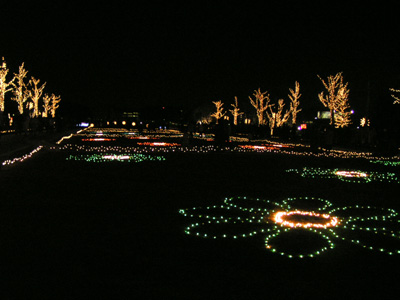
[[121, 56]]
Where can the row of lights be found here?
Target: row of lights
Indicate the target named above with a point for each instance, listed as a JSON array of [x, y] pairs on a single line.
[[22, 158], [353, 176], [100, 158]]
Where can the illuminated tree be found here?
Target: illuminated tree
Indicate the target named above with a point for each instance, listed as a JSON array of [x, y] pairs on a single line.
[[54, 104], [35, 95], [220, 110], [277, 118], [294, 101], [342, 114], [336, 99], [46, 105], [4, 85], [396, 98], [20, 92], [235, 111], [260, 103]]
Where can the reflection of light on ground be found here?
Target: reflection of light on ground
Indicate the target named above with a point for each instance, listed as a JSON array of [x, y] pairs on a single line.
[[316, 220], [356, 174]]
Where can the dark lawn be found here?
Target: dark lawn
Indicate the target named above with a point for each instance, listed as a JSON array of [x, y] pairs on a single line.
[[79, 230]]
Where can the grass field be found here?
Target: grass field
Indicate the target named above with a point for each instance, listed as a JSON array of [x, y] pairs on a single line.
[[75, 229]]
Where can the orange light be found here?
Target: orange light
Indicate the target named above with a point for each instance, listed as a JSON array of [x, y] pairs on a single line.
[[158, 144], [98, 140], [327, 220], [351, 174]]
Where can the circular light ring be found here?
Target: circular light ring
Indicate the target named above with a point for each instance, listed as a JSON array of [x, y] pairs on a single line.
[[351, 174], [159, 144], [328, 221], [116, 157], [328, 229], [272, 248]]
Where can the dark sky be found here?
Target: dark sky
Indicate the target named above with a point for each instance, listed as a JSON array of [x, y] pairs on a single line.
[[116, 55]]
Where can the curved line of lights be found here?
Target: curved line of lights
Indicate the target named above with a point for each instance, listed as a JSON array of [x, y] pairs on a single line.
[[279, 218], [357, 174], [118, 157]]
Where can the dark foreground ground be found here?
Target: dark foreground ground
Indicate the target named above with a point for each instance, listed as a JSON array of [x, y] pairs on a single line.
[[112, 231]]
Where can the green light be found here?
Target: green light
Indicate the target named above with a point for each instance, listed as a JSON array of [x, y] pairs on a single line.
[[259, 214]]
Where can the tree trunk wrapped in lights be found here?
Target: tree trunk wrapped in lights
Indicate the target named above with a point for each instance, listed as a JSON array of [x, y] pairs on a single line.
[[294, 97], [20, 92], [4, 85], [277, 118], [35, 95], [336, 99], [220, 111], [396, 98], [235, 111], [54, 104], [342, 115], [46, 105], [260, 103]]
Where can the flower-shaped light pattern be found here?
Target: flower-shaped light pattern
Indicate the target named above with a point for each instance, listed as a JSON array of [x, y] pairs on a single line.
[[297, 227], [346, 175], [107, 157]]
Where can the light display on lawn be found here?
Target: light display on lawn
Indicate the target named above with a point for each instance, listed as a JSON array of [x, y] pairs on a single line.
[[98, 140], [158, 144], [315, 220], [109, 157], [386, 163], [21, 158], [297, 227], [354, 176]]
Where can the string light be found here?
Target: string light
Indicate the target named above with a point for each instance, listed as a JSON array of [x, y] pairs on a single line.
[[386, 163], [22, 158], [322, 220], [158, 144], [354, 176], [98, 140], [101, 158]]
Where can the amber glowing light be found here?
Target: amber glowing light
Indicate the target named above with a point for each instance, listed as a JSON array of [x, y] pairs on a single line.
[[356, 174], [158, 144], [323, 220], [98, 140]]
